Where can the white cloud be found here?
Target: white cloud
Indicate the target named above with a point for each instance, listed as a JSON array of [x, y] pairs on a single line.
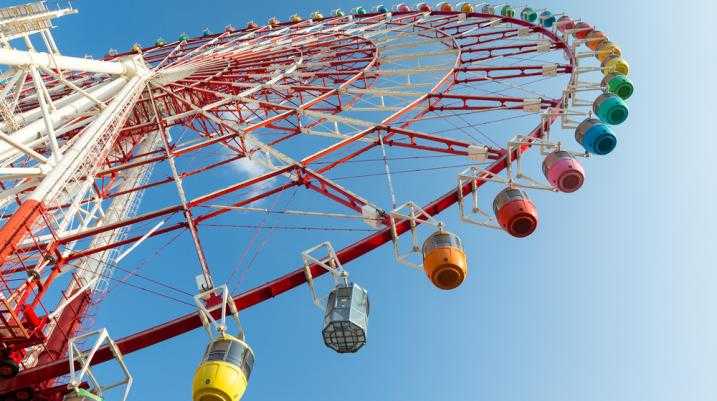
[[251, 168]]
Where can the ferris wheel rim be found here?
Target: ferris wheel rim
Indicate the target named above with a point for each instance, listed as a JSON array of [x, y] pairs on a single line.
[[364, 245]]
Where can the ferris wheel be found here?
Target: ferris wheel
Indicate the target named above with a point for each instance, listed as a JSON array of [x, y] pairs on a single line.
[[357, 129]]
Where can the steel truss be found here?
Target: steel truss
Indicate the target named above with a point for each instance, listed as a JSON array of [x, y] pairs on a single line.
[[81, 138]]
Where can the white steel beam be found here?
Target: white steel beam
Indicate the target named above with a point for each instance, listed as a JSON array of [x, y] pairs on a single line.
[[98, 91], [94, 136], [74, 87], [10, 141], [36, 130], [21, 57], [8, 173], [46, 106]]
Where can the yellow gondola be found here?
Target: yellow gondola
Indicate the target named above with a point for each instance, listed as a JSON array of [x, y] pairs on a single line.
[[467, 8], [615, 65], [224, 372], [606, 50]]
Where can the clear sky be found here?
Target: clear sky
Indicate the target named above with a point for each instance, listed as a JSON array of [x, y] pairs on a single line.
[[612, 299]]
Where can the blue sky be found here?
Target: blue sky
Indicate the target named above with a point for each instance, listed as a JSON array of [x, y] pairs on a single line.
[[612, 298]]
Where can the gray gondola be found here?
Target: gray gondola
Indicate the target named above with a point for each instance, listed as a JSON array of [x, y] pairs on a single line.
[[346, 319]]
